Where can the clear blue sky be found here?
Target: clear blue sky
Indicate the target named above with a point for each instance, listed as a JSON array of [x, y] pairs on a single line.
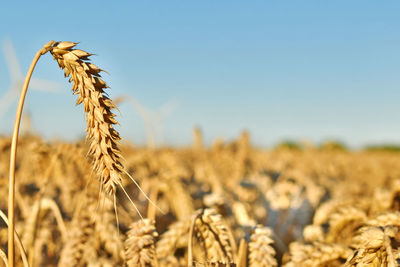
[[281, 69]]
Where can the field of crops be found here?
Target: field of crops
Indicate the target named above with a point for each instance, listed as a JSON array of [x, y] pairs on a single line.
[[102, 203], [227, 205]]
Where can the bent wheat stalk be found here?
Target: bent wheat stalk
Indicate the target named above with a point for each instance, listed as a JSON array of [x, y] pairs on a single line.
[[103, 138], [19, 243]]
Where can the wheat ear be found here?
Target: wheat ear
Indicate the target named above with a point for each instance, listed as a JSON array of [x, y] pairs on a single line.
[[139, 244], [89, 87], [104, 140], [213, 234], [261, 251]]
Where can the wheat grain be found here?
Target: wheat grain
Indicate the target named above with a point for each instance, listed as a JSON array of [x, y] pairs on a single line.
[[261, 252], [213, 233], [315, 254], [343, 222], [139, 244], [103, 138], [374, 247]]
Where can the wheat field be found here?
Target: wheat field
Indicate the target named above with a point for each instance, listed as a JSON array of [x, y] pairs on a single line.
[[231, 204]]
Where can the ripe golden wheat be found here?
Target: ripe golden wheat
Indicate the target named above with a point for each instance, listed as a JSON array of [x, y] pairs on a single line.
[[87, 84], [317, 208]]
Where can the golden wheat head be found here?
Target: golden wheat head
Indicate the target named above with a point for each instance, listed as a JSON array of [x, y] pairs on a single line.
[[103, 138]]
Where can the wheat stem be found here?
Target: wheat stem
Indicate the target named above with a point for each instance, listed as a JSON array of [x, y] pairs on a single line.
[[19, 243], [242, 257], [3, 256], [11, 184], [190, 241]]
